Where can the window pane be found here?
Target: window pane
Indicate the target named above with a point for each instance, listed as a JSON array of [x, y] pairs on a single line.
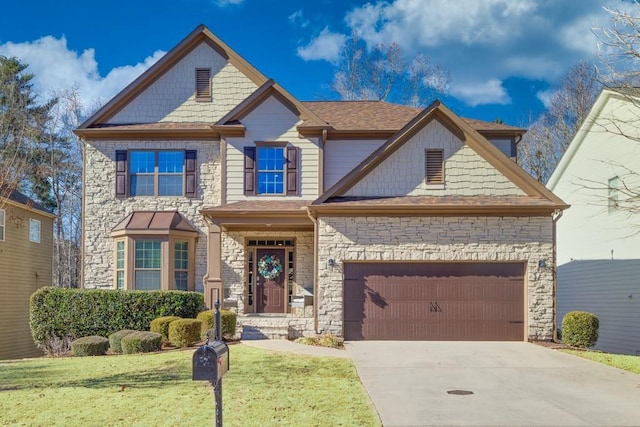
[[147, 280], [270, 182], [181, 280], [141, 185], [170, 161], [181, 256], [170, 185], [270, 158], [142, 161], [120, 256], [120, 280], [147, 254], [34, 230]]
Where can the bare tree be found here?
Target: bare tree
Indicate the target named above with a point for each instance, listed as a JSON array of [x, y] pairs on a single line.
[[382, 73], [549, 136]]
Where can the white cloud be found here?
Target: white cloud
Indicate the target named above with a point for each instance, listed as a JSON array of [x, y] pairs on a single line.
[[489, 92], [489, 40], [55, 67], [297, 17], [326, 46], [223, 3], [545, 96]]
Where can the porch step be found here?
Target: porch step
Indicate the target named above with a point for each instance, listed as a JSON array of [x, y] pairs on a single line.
[[263, 333]]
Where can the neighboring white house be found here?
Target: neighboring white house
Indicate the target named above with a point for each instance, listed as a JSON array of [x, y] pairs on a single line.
[[599, 177], [390, 221]]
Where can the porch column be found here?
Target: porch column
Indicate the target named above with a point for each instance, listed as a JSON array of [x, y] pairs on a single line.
[[212, 282]]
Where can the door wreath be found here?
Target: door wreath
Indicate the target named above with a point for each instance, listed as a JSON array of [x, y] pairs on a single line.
[[269, 267]]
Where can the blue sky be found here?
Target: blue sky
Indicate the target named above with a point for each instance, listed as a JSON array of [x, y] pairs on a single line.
[[504, 56]]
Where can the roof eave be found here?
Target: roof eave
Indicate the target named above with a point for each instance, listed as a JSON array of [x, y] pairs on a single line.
[[165, 134]]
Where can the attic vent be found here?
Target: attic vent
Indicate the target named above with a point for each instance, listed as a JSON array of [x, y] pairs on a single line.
[[434, 164], [203, 84]]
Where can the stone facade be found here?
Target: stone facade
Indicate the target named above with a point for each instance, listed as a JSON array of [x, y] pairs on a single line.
[[526, 239], [234, 261], [102, 210], [466, 172]]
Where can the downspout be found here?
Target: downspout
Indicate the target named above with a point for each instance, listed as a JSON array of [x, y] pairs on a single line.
[[315, 269], [84, 210], [322, 171], [555, 217]]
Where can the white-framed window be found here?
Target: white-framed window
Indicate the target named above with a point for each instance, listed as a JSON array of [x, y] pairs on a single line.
[[271, 170], [612, 186], [34, 230], [2, 219], [147, 263], [156, 173]]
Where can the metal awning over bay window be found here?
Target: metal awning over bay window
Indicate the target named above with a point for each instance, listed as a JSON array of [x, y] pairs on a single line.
[[154, 250]]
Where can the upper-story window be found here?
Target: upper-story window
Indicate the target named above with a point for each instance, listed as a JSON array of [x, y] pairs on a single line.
[[2, 216], [34, 230], [271, 170], [156, 173], [434, 166], [203, 84]]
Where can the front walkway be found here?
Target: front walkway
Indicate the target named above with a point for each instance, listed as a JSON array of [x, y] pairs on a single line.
[[492, 383]]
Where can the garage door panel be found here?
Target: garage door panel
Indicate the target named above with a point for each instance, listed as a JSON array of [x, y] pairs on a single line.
[[434, 301]]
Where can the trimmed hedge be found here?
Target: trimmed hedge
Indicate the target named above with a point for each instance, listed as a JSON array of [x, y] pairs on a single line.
[[115, 339], [228, 320], [161, 326], [56, 312], [141, 342], [184, 332], [580, 329], [90, 346]]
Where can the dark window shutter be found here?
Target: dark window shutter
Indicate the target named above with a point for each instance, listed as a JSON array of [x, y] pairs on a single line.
[[292, 171], [249, 171], [190, 157], [121, 174]]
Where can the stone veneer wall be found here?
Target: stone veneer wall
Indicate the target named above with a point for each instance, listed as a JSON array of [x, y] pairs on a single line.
[[527, 239], [234, 261], [102, 210]]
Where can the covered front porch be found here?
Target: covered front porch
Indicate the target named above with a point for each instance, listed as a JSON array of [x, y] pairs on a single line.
[[261, 265]]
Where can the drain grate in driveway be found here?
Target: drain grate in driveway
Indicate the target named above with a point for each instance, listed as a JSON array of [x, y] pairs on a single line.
[[460, 392]]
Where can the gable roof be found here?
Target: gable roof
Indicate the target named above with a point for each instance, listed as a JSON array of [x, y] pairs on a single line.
[[200, 34], [268, 89], [464, 131], [16, 198], [575, 144]]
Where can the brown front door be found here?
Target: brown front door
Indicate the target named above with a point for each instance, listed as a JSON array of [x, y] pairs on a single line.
[[434, 301], [270, 283]]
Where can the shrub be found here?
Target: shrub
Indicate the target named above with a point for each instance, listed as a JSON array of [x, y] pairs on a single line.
[[325, 340], [90, 346], [141, 342], [228, 318], [580, 329], [75, 313], [184, 332], [116, 338], [161, 326]]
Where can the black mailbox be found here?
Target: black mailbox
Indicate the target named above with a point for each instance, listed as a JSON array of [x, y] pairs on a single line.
[[210, 362]]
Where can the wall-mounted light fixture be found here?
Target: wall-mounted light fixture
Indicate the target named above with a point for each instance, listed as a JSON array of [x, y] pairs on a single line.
[[542, 263], [331, 263]]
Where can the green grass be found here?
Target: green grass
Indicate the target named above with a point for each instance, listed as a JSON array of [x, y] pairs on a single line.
[[261, 388], [621, 361]]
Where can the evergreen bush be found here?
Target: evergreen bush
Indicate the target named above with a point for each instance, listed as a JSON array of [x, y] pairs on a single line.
[[161, 326], [141, 342], [116, 338], [580, 329], [90, 346], [228, 320], [184, 332]]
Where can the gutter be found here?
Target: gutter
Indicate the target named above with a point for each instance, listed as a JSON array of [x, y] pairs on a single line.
[[555, 217]]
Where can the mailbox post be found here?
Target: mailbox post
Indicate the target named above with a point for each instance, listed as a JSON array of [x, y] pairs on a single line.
[[211, 361]]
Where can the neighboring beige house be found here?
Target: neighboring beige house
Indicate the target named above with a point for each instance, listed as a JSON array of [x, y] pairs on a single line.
[[26, 259], [599, 237], [367, 220]]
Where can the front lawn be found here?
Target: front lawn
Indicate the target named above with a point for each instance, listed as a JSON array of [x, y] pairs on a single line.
[[261, 388], [620, 361]]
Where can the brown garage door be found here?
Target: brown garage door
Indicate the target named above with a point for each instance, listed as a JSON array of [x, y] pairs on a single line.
[[434, 301]]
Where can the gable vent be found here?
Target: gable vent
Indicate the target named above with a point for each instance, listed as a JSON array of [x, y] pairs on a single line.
[[203, 84], [434, 162]]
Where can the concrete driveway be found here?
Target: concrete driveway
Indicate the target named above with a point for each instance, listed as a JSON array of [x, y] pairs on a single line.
[[510, 384]]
